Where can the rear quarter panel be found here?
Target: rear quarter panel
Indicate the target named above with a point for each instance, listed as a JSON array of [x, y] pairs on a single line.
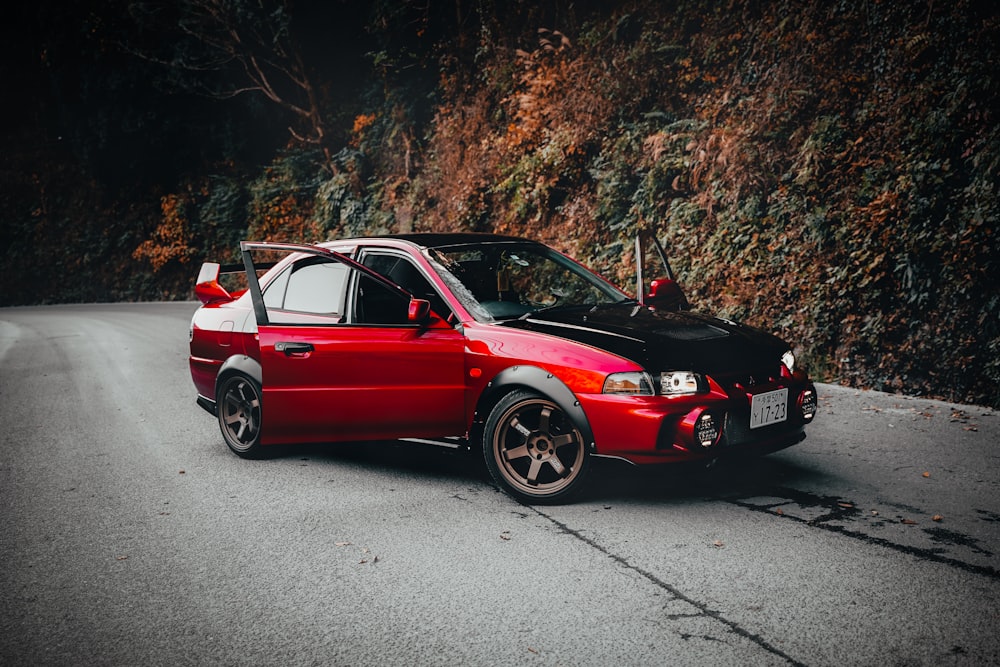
[[218, 332]]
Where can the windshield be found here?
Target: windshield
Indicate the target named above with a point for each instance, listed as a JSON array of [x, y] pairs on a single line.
[[508, 280]]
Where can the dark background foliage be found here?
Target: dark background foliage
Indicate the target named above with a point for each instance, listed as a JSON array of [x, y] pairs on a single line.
[[828, 171]]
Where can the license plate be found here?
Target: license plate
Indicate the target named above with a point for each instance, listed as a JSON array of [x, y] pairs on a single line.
[[769, 408]]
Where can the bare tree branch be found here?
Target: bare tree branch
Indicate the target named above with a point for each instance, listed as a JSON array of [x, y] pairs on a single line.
[[249, 44]]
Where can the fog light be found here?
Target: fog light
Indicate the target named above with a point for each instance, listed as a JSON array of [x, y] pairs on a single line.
[[807, 404], [699, 428], [706, 430]]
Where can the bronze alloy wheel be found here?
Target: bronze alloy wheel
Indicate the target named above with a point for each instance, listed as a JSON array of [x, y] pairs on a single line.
[[533, 449], [238, 408]]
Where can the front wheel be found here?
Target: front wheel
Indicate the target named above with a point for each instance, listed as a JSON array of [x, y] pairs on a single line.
[[238, 406], [533, 449]]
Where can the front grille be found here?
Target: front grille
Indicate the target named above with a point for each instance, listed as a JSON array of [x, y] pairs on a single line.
[[749, 378]]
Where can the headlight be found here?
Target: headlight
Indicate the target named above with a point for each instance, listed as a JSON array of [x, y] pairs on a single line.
[[788, 359], [635, 382], [679, 383]]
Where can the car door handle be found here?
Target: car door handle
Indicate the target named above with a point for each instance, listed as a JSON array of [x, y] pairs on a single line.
[[293, 349]]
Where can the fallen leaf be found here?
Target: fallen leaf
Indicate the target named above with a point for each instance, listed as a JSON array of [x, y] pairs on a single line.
[[341, 544], [121, 558], [718, 544], [535, 651], [926, 474], [908, 522], [874, 512], [779, 512], [375, 560], [937, 517], [505, 535], [846, 506], [181, 472], [362, 561], [974, 429]]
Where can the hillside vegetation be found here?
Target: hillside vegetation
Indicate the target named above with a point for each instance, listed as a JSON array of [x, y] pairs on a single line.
[[827, 171]]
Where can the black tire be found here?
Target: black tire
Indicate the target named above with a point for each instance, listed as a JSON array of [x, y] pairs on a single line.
[[238, 406], [533, 449]]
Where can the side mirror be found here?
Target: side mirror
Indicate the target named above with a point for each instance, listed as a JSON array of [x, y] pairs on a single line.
[[666, 294], [419, 311]]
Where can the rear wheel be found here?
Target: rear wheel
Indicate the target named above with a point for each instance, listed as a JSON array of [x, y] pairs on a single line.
[[238, 407], [533, 449]]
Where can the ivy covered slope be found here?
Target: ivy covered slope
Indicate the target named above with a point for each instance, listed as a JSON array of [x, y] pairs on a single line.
[[828, 171]]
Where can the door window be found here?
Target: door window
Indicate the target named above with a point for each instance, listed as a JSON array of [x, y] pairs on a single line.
[[377, 304], [403, 272], [314, 286]]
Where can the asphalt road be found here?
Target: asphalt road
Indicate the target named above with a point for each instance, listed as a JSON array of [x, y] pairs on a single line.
[[131, 536]]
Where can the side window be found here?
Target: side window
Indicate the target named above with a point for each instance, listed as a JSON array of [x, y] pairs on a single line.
[[377, 304], [274, 293], [403, 272], [312, 286], [316, 288]]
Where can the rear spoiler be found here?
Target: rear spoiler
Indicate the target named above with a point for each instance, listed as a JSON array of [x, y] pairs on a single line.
[[207, 287]]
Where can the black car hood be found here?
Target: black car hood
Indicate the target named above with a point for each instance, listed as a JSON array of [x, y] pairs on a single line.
[[661, 340]]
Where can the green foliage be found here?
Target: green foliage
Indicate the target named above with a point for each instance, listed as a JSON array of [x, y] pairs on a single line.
[[282, 198], [345, 206]]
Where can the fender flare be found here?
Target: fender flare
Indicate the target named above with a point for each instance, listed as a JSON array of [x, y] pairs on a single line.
[[545, 383], [240, 363]]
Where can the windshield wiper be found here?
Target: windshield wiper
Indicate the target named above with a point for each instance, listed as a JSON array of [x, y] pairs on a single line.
[[569, 306], [624, 302], [544, 309]]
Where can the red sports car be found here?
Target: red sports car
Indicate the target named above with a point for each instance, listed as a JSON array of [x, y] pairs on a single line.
[[483, 340]]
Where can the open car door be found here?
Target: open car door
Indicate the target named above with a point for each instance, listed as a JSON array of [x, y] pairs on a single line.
[[346, 354], [662, 292]]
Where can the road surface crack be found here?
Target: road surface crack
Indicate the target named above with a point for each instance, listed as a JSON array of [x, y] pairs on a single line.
[[841, 510], [704, 610]]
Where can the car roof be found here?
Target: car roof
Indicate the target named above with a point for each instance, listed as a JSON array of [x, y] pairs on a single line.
[[443, 239]]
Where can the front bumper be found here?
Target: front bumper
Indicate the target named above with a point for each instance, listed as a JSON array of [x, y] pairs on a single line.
[[660, 429]]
